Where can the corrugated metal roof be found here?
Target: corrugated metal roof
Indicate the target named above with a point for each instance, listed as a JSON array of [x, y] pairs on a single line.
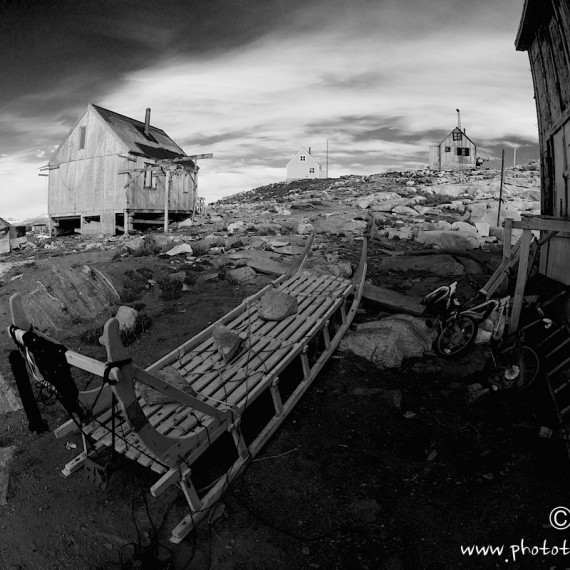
[[157, 144]]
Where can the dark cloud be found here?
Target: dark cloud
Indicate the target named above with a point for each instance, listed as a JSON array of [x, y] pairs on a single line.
[[57, 55]]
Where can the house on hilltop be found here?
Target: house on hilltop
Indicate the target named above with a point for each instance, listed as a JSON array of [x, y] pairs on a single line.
[[544, 32], [302, 166], [112, 173], [455, 152]]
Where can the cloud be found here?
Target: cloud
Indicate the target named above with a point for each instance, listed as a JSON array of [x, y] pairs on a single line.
[[379, 80]]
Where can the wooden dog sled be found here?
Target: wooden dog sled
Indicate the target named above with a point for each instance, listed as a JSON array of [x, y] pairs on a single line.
[[168, 438]]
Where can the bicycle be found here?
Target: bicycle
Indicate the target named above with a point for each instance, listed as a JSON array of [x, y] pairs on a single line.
[[459, 323]]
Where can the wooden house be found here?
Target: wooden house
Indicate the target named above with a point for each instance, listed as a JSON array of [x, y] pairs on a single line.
[[302, 166], [544, 33], [114, 173], [455, 152]]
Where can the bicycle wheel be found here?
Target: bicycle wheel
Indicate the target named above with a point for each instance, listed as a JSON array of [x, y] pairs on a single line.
[[517, 366], [455, 336]]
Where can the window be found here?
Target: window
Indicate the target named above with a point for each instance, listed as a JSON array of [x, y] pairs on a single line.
[[302, 158], [149, 177], [462, 151], [311, 170], [82, 131], [457, 135], [447, 149]]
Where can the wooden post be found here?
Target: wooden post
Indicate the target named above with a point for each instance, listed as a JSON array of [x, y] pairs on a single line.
[[166, 195], [501, 189], [507, 238], [521, 280]]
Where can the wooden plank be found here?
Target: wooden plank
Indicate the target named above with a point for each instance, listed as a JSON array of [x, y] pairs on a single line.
[[543, 223], [521, 280], [507, 237], [393, 300]]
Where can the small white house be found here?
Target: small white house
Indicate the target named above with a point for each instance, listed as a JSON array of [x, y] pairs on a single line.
[[303, 165]]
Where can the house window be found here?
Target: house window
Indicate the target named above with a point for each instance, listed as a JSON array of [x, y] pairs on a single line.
[[462, 151], [149, 177], [311, 170], [447, 149], [302, 158], [82, 131], [457, 135]]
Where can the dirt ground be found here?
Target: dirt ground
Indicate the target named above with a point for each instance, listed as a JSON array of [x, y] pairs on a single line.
[[356, 477]]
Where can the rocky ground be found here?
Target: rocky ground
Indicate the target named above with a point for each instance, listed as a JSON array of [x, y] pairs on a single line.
[[385, 463]]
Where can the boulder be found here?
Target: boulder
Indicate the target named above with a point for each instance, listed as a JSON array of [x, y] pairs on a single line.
[[449, 239], [235, 226], [181, 248], [160, 241], [482, 229], [389, 341], [226, 341], [305, 229], [135, 244], [187, 223], [463, 226], [400, 233], [127, 317], [341, 269], [276, 305], [240, 274]]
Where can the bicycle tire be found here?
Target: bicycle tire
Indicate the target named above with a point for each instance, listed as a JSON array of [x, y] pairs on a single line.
[[522, 362], [456, 336]]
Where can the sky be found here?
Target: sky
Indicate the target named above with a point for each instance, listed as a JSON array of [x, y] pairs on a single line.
[[254, 81]]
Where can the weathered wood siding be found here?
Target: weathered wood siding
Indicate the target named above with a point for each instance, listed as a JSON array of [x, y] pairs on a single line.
[[142, 198], [88, 177], [84, 181], [549, 56], [434, 158], [449, 160]]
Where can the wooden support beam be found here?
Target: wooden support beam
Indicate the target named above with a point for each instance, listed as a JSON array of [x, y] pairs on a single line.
[[521, 280], [543, 223], [507, 237]]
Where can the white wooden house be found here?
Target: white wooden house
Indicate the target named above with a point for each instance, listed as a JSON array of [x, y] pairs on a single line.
[[113, 173], [303, 165], [544, 33], [455, 152]]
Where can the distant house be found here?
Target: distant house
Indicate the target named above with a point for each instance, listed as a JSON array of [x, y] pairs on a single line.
[[455, 152], [302, 166], [11, 236], [111, 173], [544, 33]]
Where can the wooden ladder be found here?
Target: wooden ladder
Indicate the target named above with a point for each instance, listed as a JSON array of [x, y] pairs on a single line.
[[556, 361]]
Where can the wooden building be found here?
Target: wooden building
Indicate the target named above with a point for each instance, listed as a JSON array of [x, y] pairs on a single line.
[[114, 173], [544, 33], [455, 152], [302, 166]]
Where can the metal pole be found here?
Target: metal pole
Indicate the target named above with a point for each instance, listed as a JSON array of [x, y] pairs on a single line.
[[501, 189], [327, 158], [515, 156]]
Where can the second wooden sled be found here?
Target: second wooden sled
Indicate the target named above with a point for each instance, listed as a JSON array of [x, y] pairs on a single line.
[[169, 438]]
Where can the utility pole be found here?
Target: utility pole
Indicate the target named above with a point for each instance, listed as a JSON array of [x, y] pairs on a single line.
[[501, 189], [327, 158]]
